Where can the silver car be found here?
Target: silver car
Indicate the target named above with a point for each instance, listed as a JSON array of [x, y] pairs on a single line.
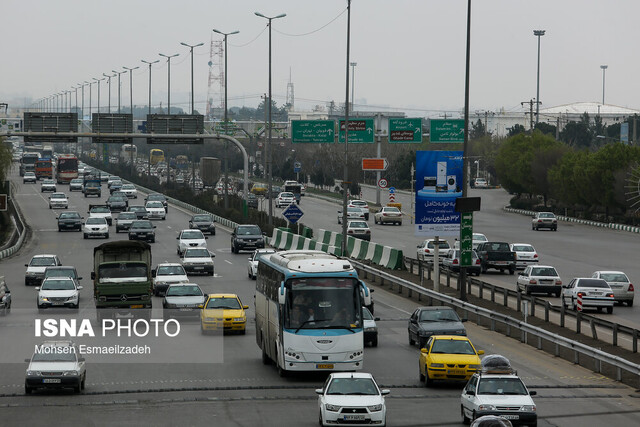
[[526, 254], [593, 293], [56, 364], [539, 278], [619, 283]]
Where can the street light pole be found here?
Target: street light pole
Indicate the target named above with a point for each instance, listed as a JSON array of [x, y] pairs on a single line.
[[109, 101], [98, 82], [604, 67], [538, 33], [345, 172], [150, 63], [130, 70], [353, 83], [118, 73], [169, 79], [269, 139], [191, 49], [226, 118]]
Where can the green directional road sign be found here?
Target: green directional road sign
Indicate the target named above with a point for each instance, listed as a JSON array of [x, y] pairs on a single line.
[[361, 131], [312, 131], [405, 130], [446, 130], [466, 239]]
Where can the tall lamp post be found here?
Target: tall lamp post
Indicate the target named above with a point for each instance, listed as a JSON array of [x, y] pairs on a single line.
[[538, 33], [98, 82], [226, 118], [109, 101], [169, 79], [604, 68], [149, 63], [269, 141], [130, 70], [353, 83], [118, 73], [345, 172]]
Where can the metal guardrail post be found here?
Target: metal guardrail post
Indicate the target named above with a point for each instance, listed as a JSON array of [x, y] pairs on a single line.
[[578, 322], [562, 309], [547, 307], [480, 289], [615, 334], [634, 343], [505, 292], [519, 302], [493, 294], [533, 306], [592, 324]]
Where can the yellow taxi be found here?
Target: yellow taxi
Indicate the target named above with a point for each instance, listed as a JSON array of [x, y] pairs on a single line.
[[223, 312], [448, 357], [259, 189]]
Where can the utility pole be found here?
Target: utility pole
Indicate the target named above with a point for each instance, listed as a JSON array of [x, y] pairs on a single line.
[[530, 102]]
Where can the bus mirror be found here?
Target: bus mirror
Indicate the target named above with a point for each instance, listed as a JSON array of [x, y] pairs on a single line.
[[282, 294]]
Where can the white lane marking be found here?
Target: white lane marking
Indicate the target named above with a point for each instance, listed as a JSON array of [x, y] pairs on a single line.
[[399, 309], [46, 229], [227, 261]]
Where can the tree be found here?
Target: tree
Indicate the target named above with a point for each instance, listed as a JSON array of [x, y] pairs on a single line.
[[5, 159], [515, 130], [546, 128], [478, 130]]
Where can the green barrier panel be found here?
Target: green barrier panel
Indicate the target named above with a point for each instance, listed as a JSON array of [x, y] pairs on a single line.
[[377, 254], [396, 260], [288, 242], [307, 232], [364, 248]]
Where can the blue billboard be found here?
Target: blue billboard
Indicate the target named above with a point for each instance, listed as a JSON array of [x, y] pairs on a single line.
[[438, 185]]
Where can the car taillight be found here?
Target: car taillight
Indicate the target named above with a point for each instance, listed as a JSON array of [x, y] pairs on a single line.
[[350, 231], [581, 294], [558, 282], [478, 261], [427, 251], [630, 287], [535, 255], [455, 261], [610, 295], [368, 231], [384, 214], [533, 281]]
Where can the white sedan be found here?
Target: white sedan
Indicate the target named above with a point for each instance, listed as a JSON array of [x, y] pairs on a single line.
[[620, 285], [539, 278], [352, 398], [284, 199], [155, 210], [594, 293], [130, 191], [255, 258], [190, 239], [525, 254], [96, 226], [58, 200]]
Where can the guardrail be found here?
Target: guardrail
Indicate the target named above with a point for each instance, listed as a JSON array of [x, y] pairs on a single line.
[[16, 217], [493, 320], [538, 307]]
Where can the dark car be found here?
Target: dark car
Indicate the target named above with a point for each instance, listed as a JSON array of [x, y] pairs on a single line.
[[115, 186], [124, 220], [159, 198], [142, 229], [437, 320], [141, 211], [246, 237], [204, 223], [252, 201], [70, 221], [117, 203]]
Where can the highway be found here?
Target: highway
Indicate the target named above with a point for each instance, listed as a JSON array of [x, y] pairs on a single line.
[[222, 381]]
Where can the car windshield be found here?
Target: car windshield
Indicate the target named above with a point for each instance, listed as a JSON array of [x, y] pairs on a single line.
[[286, 194], [544, 271], [76, 181], [197, 253], [614, 277], [202, 218], [54, 354], [159, 197], [188, 235], [68, 215], [155, 205], [136, 208], [122, 270], [250, 230], [358, 224], [100, 209], [393, 210], [546, 215], [442, 244], [127, 215], [58, 196], [523, 248], [94, 220], [170, 270], [42, 261], [352, 386], [184, 291], [447, 346], [229, 303], [142, 225], [593, 283], [60, 272], [58, 285], [439, 316], [128, 187], [501, 386], [116, 199]]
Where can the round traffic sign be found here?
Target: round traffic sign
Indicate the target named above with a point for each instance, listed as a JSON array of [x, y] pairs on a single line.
[[297, 165], [382, 183]]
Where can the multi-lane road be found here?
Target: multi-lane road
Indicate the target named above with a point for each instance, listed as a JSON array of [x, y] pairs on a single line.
[[208, 380]]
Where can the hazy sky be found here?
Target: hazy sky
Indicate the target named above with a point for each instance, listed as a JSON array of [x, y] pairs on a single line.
[[410, 53]]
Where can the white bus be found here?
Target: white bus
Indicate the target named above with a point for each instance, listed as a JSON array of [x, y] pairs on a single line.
[[127, 151], [309, 312]]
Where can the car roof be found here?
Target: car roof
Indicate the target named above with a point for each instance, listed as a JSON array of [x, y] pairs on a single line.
[[451, 337], [184, 284], [223, 296], [543, 266], [169, 264], [610, 272], [44, 256], [434, 308], [351, 375]]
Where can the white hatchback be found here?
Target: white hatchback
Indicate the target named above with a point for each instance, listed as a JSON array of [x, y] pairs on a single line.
[[351, 398]]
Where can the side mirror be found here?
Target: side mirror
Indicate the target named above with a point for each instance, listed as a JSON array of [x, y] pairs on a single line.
[[200, 306], [26, 265], [246, 307], [377, 319], [206, 238], [212, 254], [93, 275], [153, 272], [418, 246], [155, 226], [80, 278], [80, 288], [533, 393], [178, 238], [371, 290], [37, 288], [470, 392], [424, 351], [27, 360], [385, 391], [463, 320], [480, 352]]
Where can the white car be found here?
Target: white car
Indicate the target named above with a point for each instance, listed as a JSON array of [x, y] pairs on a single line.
[[525, 254], [65, 370], [58, 292], [166, 274], [501, 393], [352, 213], [478, 238], [76, 184], [29, 177], [362, 205], [595, 293], [388, 214], [197, 260], [37, 266], [427, 249], [155, 210], [130, 191], [100, 211], [255, 258], [285, 199], [111, 179], [544, 220], [370, 327], [48, 185], [190, 239], [58, 201], [619, 283], [182, 300], [352, 398], [480, 183], [539, 278], [95, 227]]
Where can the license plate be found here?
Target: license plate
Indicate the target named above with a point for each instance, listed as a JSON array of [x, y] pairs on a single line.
[[198, 268], [186, 309], [501, 262], [136, 306], [324, 366], [57, 303], [51, 380], [354, 417], [595, 293], [456, 372], [510, 417]]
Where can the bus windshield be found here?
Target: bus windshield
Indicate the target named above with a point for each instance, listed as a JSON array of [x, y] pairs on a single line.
[[322, 303], [67, 164]]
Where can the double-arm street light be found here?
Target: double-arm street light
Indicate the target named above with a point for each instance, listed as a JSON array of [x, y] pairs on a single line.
[[538, 33], [193, 156], [226, 118], [604, 68], [150, 63], [98, 82], [109, 82], [130, 70], [269, 19], [118, 73], [169, 79]]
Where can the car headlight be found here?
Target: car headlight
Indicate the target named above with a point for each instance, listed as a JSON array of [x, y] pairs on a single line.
[[210, 319], [437, 365], [30, 273], [369, 329], [72, 298], [487, 408], [238, 319], [44, 299], [70, 373], [476, 367], [528, 408], [375, 408], [332, 408], [425, 333], [33, 373], [170, 305]]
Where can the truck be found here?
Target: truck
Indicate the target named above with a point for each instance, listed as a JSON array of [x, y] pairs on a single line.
[[91, 186], [44, 168], [28, 162], [295, 188], [209, 171], [122, 281], [497, 255]]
